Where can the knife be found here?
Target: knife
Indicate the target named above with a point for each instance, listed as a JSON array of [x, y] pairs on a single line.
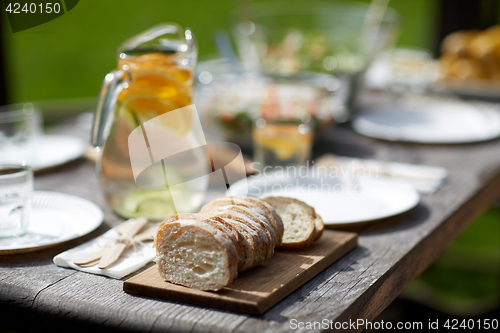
[[112, 254], [92, 259]]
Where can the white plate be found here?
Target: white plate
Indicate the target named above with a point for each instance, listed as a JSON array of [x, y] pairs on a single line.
[[437, 122], [54, 150], [478, 90], [339, 202], [55, 218]]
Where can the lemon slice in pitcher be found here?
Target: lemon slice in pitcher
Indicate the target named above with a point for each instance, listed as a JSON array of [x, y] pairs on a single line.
[[148, 106], [162, 77]]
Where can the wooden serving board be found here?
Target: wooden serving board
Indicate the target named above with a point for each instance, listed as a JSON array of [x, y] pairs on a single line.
[[258, 289]]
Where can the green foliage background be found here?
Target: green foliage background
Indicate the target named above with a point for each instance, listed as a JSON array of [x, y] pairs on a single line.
[[69, 56]]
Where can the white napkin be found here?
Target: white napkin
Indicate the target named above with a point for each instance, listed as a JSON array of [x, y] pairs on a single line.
[[129, 262], [425, 179]]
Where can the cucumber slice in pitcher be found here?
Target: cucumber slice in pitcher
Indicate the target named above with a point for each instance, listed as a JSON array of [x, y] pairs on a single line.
[[150, 203], [128, 117]]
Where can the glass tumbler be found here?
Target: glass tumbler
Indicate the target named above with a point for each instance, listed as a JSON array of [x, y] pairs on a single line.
[[16, 188], [280, 143], [20, 126]]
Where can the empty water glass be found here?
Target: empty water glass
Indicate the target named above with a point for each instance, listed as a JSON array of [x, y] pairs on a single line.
[[20, 126], [16, 188]]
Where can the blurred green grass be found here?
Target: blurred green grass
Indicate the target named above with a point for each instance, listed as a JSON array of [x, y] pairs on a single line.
[[465, 279], [69, 56]]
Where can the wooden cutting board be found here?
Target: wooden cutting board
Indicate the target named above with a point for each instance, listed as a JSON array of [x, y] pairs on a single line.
[[258, 289]]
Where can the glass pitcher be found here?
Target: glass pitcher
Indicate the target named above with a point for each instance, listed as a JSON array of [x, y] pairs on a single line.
[[154, 77]]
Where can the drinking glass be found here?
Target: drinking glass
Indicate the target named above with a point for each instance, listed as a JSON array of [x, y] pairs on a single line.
[[280, 142], [16, 187], [20, 126]]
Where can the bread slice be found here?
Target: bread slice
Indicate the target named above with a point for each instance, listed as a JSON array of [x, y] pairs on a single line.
[[298, 222], [254, 216], [309, 209], [229, 230], [271, 213], [195, 255], [279, 223], [266, 225], [248, 207], [268, 211], [255, 204], [318, 220], [248, 238], [262, 243]]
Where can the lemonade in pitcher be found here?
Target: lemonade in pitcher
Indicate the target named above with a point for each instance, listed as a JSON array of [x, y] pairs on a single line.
[[154, 77]]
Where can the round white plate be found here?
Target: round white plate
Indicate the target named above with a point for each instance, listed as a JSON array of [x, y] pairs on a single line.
[[55, 218], [54, 150], [338, 201], [438, 122]]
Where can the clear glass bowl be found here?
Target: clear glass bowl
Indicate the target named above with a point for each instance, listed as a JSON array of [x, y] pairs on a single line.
[[284, 39]]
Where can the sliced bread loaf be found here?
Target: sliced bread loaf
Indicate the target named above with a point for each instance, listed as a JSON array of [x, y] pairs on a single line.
[[205, 251]]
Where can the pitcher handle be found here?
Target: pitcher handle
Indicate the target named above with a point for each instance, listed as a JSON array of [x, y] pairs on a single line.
[[103, 119]]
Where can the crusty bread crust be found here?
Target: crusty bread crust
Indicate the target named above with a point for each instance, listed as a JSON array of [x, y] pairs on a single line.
[[319, 227]]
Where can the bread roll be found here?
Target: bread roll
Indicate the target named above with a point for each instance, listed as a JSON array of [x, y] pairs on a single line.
[[472, 56], [456, 43]]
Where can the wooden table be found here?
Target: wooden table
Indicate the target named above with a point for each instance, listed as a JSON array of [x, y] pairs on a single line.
[[37, 295]]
